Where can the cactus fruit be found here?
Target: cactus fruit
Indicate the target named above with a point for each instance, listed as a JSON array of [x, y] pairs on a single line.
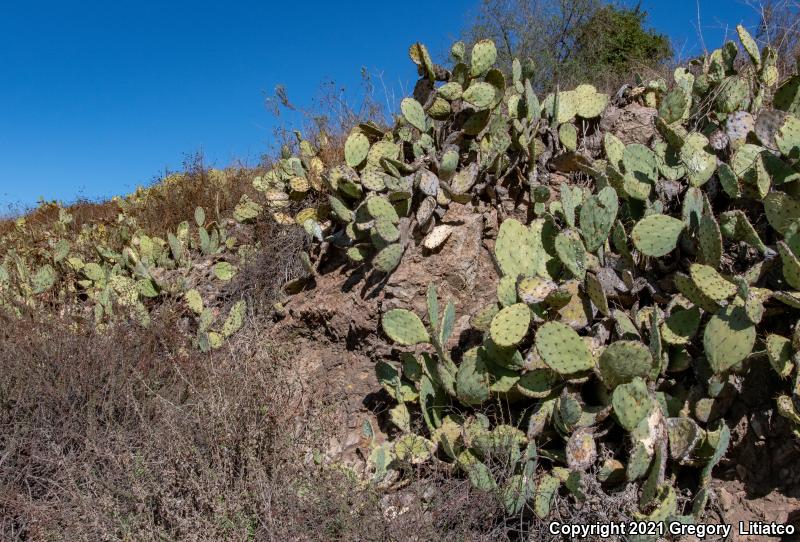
[[510, 325], [622, 361], [562, 349], [657, 235], [729, 338]]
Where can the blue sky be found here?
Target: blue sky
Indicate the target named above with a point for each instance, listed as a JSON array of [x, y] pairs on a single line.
[[99, 97]]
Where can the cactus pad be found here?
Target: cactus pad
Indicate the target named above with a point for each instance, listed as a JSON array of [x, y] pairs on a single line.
[[711, 283], [388, 258], [597, 217], [657, 235], [571, 252], [356, 149], [404, 327], [413, 113], [484, 55], [510, 325], [729, 338], [622, 361], [515, 249], [562, 349], [632, 403], [779, 351]]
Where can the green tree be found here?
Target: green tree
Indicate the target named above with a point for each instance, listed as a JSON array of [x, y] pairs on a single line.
[[571, 41]]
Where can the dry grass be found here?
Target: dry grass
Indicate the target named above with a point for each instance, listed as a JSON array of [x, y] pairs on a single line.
[[128, 435]]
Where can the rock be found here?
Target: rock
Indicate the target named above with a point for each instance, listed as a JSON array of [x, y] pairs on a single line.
[[633, 124]]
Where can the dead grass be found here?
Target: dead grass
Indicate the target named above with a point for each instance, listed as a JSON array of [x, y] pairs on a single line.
[[129, 435]]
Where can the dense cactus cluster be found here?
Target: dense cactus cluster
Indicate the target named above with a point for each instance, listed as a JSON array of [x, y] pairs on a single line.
[[630, 304], [635, 299], [112, 272]]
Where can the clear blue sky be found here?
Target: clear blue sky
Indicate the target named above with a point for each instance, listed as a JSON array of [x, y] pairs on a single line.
[[99, 97]]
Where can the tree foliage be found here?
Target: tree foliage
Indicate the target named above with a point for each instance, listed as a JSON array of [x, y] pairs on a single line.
[[571, 40]]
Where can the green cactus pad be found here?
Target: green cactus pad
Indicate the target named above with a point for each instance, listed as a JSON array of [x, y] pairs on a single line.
[[673, 105], [404, 327], [571, 198], [571, 252], [594, 289], [709, 240], [640, 161], [388, 258], [749, 44], [597, 217], [681, 326], [224, 271], [379, 207], [545, 495], [614, 149], [622, 361], [781, 210], [484, 55], [43, 279], [515, 250], [711, 283], [657, 235], [568, 136], [235, 319], [700, 164], [356, 149], [537, 383], [510, 325], [791, 265], [632, 403], [507, 290], [562, 349], [779, 351], [387, 231], [729, 338], [480, 95], [788, 138], [413, 113], [472, 379], [590, 103]]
